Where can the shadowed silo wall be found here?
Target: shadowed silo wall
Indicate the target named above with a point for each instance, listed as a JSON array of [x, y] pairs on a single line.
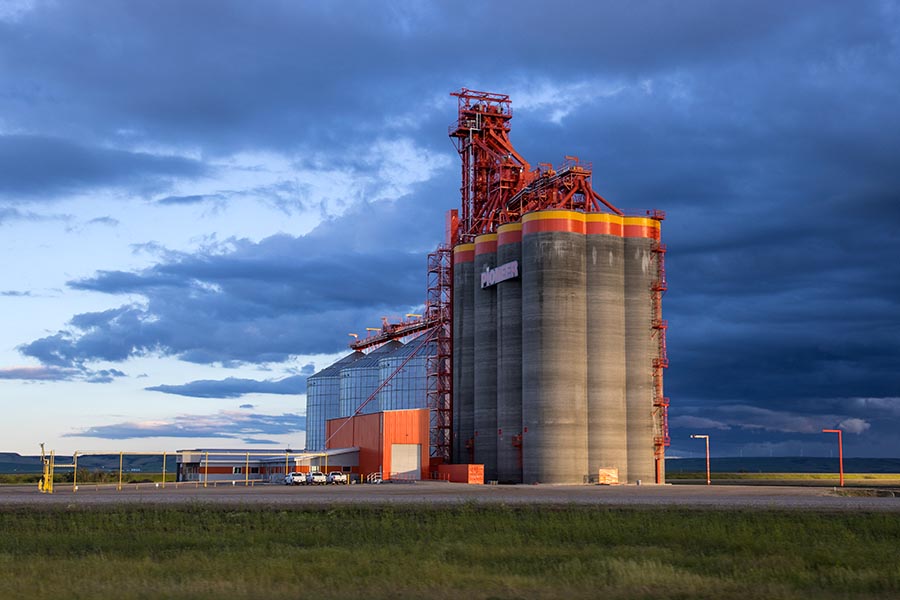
[[641, 347], [509, 357], [463, 351], [605, 325], [554, 402], [485, 357]]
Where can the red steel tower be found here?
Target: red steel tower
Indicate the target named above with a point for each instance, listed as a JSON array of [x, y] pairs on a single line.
[[498, 185]]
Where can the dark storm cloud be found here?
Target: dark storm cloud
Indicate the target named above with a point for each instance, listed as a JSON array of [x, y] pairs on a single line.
[[224, 425], [260, 302], [55, 373], [768, 131], [182, 200], [9, 215], [233, 387], [38, 373], [241, 73], [104, 376], [778, 170], [109, 221], [40, 168]]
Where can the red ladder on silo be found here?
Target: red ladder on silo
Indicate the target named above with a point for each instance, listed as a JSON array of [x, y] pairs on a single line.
[[660, 401]]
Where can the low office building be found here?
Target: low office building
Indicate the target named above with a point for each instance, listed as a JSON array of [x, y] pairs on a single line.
[[271, 466]]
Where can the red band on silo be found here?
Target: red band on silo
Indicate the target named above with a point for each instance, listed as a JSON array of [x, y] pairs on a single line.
[[564, 225], [486, 244], [641, 231], [509, 234], [603, 228], [464, 253]]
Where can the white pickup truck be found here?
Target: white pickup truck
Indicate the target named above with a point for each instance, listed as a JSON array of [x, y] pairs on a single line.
[[337, 477], [316, 478], [295, 479]]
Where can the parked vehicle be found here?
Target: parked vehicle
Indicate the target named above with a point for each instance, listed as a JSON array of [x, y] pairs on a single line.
[[295, 479], [316, 478], [337, 477]]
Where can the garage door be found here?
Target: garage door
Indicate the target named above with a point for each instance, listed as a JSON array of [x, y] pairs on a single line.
[[406, 461]]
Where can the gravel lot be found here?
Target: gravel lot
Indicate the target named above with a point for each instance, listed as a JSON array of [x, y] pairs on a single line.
[[439, 493]]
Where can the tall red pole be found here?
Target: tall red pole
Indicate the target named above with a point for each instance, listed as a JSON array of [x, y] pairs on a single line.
[[840, 450]]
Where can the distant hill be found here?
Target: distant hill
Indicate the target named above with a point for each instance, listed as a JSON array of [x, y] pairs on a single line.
[[11, 462], [782, 464]]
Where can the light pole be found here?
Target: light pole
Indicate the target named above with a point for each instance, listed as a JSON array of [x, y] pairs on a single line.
[[840, 450], [704, 437]]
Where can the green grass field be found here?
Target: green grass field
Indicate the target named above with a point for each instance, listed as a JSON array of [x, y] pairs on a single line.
[[471, 551]]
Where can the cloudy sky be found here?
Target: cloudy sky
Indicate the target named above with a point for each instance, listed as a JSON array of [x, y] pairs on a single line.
[[198, 201]]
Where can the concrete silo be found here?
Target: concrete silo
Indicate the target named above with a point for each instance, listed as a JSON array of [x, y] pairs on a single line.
[[463, 353], [554, 381], [509, 355], [485, 356], [605, 344], [641, 347]]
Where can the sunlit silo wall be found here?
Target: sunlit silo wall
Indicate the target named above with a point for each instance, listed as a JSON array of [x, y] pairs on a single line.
[[322, 400], [554, 400], [605, 325], [574, 354], [463, 353], [641, 347], [485, 357], [360, 379], [509, 357], [406, 387]]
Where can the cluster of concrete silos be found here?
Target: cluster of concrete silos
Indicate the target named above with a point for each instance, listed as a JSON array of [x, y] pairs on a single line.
[[553, 348]]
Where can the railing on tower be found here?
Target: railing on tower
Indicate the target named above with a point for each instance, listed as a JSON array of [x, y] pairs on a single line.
[[498, 184], [661, 362]]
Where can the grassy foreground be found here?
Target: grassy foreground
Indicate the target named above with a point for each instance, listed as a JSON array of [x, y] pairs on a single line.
[[471, 551]]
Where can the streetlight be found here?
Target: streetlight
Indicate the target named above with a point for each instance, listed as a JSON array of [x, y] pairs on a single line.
[[704, 437], [840, 450]]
